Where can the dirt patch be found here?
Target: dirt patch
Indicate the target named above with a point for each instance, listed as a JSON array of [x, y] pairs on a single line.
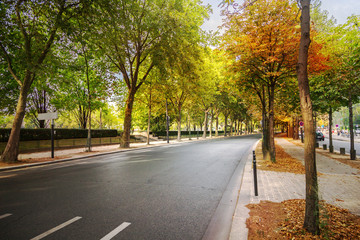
[[284, 162], [270, 220]]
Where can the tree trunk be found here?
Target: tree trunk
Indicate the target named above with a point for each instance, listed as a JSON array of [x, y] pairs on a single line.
[[89, 100], [296, 128], [179, 123], [100, 119], [149, 120], [189, 128], [237, 123], [271, 130], [125, 139], [266, 134], [231, 127], [205, 123], [241, 123], [291, 128], [351, 129], [10, 154], [12, 147], [225, 127], [331, 146], [217, 126], [211, 121], [89, 131], [311, 220]]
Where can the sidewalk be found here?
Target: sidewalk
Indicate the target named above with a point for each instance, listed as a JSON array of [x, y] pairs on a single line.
[[338, 185]]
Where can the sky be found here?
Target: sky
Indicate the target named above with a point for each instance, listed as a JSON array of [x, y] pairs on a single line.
[[340, 9]]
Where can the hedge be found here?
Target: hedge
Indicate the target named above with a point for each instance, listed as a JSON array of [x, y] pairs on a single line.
[[183, 133], [60, 133]]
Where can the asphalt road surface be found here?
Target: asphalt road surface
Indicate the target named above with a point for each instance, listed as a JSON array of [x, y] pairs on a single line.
[[169, 192], [341, 144]]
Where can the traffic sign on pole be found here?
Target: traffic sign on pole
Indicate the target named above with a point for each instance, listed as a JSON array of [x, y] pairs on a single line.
[[50, 116]]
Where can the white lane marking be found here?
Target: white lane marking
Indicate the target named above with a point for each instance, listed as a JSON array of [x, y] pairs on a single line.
[[56, 228], [114, 232], [5, 215]]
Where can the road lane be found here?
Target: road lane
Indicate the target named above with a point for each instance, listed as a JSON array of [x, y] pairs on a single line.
[[341, 144], [168, 192]]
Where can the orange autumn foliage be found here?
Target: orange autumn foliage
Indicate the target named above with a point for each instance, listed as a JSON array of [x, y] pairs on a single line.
[[263, 40]]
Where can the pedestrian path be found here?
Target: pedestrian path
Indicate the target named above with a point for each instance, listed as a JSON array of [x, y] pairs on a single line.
[[338, 185]]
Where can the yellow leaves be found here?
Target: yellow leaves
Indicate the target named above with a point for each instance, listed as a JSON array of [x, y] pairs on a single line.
[[265, 33]]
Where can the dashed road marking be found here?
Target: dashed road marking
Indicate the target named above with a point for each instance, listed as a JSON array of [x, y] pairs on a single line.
[[114, 232], [5, 215], [56, 228]]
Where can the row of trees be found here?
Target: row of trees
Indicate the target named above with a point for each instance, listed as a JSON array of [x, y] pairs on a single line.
[[268, 51], [75, 56], [262, 41]]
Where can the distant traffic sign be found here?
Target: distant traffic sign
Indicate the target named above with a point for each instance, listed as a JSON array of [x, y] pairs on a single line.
[[301, 123], [337, 125]]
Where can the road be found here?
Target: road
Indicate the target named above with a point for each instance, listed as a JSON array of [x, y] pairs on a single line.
[[169, 192], [341, 144]]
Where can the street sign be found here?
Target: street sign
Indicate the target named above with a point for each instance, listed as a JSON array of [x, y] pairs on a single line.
[[337, 125], [301, 123], [48, 116]]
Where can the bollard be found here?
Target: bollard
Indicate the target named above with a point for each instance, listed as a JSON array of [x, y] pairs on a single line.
[[353, 154], [317, 145], [324, 147], [342, 151], [255, 175]]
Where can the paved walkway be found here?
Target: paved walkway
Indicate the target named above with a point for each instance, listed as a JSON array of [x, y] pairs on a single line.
[[338, 185]]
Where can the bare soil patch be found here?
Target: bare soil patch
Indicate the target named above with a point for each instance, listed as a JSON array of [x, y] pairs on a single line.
[[270, 220]]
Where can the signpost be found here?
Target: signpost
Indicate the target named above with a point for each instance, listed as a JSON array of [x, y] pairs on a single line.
[[50, 116]]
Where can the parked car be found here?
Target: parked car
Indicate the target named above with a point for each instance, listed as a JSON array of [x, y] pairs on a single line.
[[320, 136]]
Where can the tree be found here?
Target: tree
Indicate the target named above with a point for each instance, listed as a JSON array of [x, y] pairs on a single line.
[[76, 88], [349, 77], [28, 30], [262, 48], [311, 221], [134, 38]]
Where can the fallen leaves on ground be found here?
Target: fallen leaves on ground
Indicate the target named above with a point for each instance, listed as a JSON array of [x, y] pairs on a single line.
[[270, 220], [284, 162]]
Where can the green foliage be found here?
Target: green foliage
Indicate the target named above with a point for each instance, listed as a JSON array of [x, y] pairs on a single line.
[[60, 133]]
